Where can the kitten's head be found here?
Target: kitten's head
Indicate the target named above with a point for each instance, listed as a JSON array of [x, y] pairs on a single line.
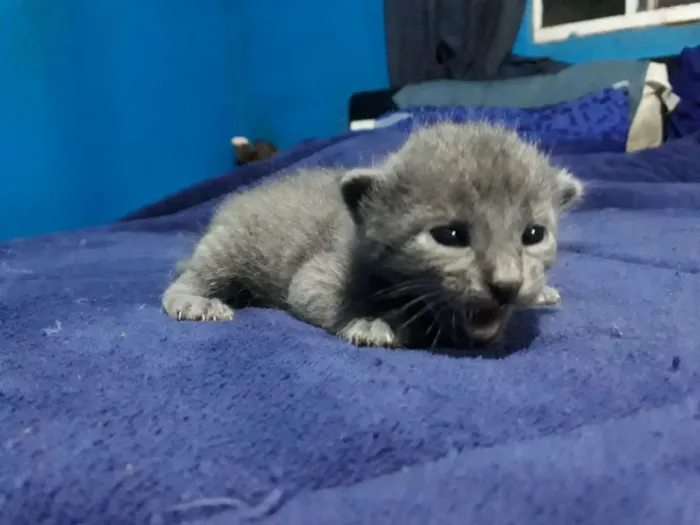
[[466, 216]]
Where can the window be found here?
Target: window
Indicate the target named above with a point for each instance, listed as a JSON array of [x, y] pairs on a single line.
[[555, 20]]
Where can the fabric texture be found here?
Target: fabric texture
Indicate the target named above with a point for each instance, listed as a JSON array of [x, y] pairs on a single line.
[[459, 39], [595, 122], [685, 79], [657, 100], [532, 92], [112, 413]]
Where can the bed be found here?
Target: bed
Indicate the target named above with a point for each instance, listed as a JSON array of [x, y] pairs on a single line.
[[112, 413]]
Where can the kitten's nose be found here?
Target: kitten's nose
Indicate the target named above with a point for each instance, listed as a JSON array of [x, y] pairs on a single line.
[[505, 292]]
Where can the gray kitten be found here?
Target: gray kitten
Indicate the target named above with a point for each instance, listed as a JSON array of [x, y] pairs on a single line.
[[437, 244]]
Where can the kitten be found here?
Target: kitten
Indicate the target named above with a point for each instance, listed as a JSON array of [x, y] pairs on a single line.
[[440, 242]]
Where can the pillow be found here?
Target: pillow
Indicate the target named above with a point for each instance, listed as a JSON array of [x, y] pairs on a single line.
[[530, 92], [592, 123]]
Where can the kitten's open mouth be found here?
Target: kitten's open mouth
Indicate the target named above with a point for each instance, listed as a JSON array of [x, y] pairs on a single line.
[[483, 324]]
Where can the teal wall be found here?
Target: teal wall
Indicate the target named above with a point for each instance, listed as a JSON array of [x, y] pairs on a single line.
[[107, 105], [110, 104], [640, 43], [306, 58]]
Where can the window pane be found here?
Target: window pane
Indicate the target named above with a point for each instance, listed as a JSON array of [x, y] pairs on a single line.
[[648, 5], [671, 3], [555, 12]]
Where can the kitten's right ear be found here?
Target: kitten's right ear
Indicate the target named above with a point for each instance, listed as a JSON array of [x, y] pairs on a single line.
[[357, 184]]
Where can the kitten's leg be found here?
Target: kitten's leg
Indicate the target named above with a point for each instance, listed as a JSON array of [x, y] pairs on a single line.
[[548, 296], [316, 294], [193, 295]]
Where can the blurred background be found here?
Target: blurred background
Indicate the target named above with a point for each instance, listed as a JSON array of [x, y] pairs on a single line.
[[108, 105]]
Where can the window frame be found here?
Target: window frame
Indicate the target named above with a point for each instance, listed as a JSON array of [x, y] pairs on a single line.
[[631, 20]]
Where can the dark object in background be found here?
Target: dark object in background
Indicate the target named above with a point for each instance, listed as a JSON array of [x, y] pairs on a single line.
[[369, 105], [685, 81], [556, 12], [247, 152], [456, 39]]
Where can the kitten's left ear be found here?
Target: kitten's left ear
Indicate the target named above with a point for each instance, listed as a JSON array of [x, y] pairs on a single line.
[[569, 189], [357, 184]]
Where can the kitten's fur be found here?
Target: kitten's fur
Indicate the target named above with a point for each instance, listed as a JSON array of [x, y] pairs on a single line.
[[351, 251]]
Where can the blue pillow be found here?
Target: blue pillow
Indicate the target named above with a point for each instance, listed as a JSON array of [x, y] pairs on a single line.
[[536, 91], [596, 122]]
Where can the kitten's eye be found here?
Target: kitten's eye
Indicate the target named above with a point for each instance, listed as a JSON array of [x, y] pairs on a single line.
[[533, 234], [451, 235]]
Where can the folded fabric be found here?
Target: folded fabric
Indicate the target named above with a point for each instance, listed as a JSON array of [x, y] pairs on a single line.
[[685, 118], [531, 92], [594, 122], [647, 85]]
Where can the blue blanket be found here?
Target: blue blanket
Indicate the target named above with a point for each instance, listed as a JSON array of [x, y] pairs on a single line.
[[112, 413], [596, 122]]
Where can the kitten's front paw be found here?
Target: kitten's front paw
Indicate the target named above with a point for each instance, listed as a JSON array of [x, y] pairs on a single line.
[[369, 332], [548, 297], [195, 308]]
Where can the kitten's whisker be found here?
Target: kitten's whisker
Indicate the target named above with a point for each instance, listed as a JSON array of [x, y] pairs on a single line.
[[437, 338], [401, 288], [449, 310], [436, 315], [413, 302], [421, 312]]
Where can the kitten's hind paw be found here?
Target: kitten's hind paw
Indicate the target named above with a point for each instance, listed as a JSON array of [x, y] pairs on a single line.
[[369, 332], [548, 297], [185, 307]]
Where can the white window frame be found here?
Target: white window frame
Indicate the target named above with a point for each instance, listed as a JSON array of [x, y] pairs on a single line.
[[631, 20]]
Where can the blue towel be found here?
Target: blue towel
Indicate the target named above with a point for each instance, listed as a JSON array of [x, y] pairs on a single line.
[[113, 413]]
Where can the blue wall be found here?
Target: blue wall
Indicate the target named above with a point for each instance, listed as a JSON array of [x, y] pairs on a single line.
[[306, 58], [640, 43], [107, 105]]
